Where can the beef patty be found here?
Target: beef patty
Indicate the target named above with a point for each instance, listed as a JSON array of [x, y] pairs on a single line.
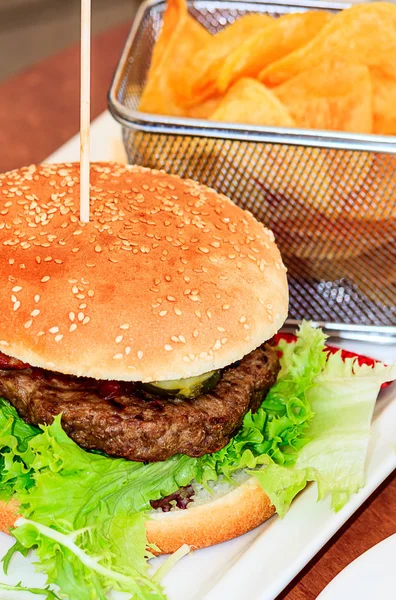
[[123, 419]]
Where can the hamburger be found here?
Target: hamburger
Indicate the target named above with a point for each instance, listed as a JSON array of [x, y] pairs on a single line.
[[143, 398]]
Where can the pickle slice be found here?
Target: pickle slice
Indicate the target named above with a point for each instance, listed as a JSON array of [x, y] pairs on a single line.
[[185, 388]]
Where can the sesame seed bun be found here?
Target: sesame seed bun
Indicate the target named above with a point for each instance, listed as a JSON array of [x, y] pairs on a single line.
[[240, 510], [233, 514], [168, 280]]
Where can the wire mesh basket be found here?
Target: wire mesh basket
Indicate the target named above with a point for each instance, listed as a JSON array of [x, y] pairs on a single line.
[[329, 197]]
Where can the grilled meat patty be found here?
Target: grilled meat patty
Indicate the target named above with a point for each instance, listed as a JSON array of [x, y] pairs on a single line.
[[125, 420]]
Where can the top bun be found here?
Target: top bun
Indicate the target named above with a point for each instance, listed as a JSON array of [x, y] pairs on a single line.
[[168, 280]]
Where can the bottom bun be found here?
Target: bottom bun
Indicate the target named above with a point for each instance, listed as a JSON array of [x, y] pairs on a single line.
[[219, 520], [8, 515]]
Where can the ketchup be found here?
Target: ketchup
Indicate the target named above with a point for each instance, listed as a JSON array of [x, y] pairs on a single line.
[[8, 362]]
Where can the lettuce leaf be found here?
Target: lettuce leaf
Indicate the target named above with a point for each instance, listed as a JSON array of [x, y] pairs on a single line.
[[279, 429], [46, 593], [342, 398], [102, 500]]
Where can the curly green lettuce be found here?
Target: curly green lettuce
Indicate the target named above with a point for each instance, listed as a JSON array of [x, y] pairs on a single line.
[[342, 400]]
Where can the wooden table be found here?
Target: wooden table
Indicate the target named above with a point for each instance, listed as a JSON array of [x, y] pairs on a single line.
[[39, 111]]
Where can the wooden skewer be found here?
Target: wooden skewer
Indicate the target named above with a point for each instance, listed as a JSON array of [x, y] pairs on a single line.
[[85, 112]]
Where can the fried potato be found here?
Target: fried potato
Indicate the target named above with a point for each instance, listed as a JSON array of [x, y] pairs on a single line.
[[384, 92], [334, 95], [197, 81], [248, 101], [279, 38], [181, 36], [205, 109], [364, 33]]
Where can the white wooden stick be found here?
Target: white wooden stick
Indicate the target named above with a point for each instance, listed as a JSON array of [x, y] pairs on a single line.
[[85, 109]]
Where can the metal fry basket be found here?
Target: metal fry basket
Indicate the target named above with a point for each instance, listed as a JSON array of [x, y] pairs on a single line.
[[329, 197]]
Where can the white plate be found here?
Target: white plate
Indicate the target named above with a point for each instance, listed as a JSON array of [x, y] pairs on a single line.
[[261, 563], [371, 575]]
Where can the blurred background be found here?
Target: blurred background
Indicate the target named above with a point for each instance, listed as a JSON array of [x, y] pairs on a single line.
[[31, 30]]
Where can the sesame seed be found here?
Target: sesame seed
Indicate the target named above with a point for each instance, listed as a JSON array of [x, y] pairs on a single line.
[[140, 354], [182, 339], [124, 326], [72, 316], [127, 350], [58, 338], [37, 298], [204, 250], [17, 304], [45, 279], [91, 293], [162, 313], [80, 316], [217, 345], [54, 329], [72, 327], [178, 312], [119, 339], [226, 306], [242, 320], [16, 289], [195, 333], [35, 313], [99, 249], [171, 299], [86, 320], [168, 347], [75, 289], [118, 356], [13, 298], [28, 324]]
